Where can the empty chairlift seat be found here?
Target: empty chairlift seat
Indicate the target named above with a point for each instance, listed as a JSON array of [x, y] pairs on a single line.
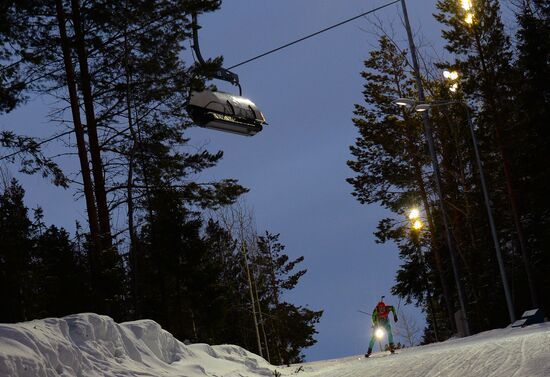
[[225, 112]]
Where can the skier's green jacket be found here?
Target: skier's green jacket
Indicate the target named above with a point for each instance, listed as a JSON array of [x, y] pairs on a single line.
[[381, 312]]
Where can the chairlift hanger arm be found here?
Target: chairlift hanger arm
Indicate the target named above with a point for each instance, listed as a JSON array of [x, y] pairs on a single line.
[[218, 110], [220, 74]]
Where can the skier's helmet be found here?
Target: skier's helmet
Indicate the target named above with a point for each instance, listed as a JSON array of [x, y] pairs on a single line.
[[381, 310]]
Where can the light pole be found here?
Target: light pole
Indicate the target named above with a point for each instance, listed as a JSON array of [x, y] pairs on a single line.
[[416, 228], [437, 174], [423, 107]]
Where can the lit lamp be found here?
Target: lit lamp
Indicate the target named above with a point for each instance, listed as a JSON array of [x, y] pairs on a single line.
[[451, 76], [417, 225], [414, 214], [467, 6]]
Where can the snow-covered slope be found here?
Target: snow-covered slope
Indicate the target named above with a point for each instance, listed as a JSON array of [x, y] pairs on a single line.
[[499, 353], [93, 345], [87, 345]]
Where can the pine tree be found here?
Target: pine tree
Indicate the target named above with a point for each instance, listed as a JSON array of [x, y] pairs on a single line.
[[12, 84], [484, 57], [532, 105], [15, 255], [121, 64], [60, 275], [289, 328], [42, 273], [391, 160]]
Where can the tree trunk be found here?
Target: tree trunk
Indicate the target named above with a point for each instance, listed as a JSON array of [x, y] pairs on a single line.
[[249, 277], [95, 150], [133, 258], [262, 323], [82, 151]]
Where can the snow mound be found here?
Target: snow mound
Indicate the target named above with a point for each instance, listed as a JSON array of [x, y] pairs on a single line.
[[91, 345]]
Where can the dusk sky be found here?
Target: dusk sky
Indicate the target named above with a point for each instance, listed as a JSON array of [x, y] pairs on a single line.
[[296, 168]]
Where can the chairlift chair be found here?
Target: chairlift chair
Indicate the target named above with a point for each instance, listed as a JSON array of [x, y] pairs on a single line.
[[223, 111]]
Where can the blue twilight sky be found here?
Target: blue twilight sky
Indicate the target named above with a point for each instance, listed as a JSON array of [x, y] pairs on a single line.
[[296, 168]]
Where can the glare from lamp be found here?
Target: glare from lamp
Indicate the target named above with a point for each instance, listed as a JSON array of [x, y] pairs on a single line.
[[379, 333], [469, 19], [466, 4], [453, 88], [450, 75], [414, 214], [417, 225]]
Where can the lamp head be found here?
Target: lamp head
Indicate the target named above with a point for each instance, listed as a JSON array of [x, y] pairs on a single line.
[[405, 102], [421, 107]]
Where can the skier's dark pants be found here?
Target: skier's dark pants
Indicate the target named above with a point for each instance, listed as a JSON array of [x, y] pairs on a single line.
[[385, 324]]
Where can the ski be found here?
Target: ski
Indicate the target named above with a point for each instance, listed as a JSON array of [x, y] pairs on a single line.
[[378, 356]]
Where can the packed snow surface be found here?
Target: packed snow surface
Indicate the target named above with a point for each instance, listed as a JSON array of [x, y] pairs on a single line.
[[93, 345]]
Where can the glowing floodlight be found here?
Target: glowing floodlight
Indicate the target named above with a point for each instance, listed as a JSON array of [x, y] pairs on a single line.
[[466, 4], [450, 75], [417, 225], [414, 214]]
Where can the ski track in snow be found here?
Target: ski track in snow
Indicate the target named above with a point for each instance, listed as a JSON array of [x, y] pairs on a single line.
[[91, 345], [497, 353]]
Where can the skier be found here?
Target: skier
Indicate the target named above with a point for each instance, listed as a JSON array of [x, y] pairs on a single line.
[[380, 319]]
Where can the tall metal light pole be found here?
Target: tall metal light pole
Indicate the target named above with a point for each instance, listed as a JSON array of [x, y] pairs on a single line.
[[490, 216], [437, 174], [488, 206], [423, 107], [416, 228]]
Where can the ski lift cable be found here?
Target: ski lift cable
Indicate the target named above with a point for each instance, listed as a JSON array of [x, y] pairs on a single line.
[[313, 34], [20, 150]]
